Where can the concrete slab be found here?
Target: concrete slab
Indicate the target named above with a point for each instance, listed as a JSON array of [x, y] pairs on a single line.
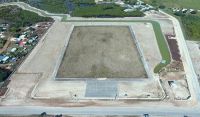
[[96, 88]]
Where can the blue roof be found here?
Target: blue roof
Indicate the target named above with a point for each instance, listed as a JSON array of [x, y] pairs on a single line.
[[2, 57]]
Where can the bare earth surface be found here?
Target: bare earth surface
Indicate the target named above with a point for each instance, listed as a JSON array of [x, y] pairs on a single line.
[[44, 59], [101, 51]]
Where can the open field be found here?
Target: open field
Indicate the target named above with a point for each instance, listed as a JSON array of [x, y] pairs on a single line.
[[162, 44], [176, 3], [101, 51]]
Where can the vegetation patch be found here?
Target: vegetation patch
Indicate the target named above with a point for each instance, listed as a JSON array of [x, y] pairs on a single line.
[[104, 10], [191, 24], [190, 21], [195, 4], [162, 46], [2, 42], [83, 1], [52, 6], [20, 18], [4, 73]]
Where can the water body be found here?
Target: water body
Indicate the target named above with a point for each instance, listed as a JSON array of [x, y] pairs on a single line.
[[71, 5]]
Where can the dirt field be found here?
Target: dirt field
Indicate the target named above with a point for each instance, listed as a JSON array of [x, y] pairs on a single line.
[[101, 51]]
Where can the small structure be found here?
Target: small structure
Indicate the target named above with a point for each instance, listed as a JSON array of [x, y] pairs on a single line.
[[129, 10], [13, 49], [192, 11], [184, 10], [121, 3], [3, 58], [163, 61]]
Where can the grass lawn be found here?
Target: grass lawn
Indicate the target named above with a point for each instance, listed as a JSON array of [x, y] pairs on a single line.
[[195, 4], [162, 44]]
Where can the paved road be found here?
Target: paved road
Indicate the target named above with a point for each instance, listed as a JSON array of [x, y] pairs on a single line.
[[158, 110]]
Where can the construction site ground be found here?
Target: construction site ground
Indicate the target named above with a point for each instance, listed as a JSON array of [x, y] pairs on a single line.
[[36, 84]]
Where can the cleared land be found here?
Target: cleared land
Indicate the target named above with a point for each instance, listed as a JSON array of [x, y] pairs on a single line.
[[101, 51]]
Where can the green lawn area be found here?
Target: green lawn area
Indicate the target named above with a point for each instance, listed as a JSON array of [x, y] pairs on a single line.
[[101, 10], [195, 4], [162, 44]]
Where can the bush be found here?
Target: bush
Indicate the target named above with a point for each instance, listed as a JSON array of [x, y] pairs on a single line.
[[191, 24], [4, 74], [180, 13], [20, 18], [162, 7]]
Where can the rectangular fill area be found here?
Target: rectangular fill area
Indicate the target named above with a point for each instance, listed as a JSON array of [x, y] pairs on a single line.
[[101, 52], [97, 88]]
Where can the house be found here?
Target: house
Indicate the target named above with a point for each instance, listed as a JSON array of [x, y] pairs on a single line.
[[13, 49], [13, 39], [2, 35], [13, 59], [1, 57], [184, 10], [129, 10], [22, 43], [121, 3], [4, 58], [22, 36], [192, 11]]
